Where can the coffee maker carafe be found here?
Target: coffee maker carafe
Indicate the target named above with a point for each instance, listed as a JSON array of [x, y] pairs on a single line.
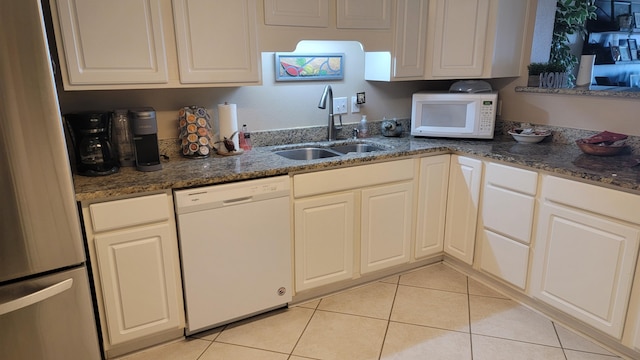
[[91, 138]]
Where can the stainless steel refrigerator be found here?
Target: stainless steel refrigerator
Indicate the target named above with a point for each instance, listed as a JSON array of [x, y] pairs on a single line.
[[46, 310]]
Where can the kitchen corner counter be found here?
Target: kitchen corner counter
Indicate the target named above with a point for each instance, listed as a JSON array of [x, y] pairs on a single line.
[[178, 172]]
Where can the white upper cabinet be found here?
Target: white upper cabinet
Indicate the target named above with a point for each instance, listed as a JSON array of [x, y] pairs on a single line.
[[216, 41], [305, 13], [363, 14], [111, 42], [453, 39], [128, 44], [475, 38], [456, 37]]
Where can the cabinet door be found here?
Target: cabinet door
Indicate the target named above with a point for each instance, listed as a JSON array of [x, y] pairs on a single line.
[[324, 238], [432, 205], [458, 37], [307, 13], [584, 264], [363, 14], [462, 207], [216, 41], [111, 42], [386, 226], [410, 39], [138, 279]]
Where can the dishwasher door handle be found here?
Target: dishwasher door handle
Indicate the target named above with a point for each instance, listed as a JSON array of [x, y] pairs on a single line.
[[236, 201]]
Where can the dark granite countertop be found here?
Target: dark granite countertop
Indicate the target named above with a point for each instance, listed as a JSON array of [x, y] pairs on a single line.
[[178, 172]]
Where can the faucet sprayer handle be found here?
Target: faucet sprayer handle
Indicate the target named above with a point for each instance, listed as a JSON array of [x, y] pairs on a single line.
[[340, 118]]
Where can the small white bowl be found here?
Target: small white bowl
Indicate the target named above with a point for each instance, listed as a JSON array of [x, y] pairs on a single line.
[[530, 138]]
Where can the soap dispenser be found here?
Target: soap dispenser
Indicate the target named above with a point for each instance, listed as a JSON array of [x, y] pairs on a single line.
[[363, 128]]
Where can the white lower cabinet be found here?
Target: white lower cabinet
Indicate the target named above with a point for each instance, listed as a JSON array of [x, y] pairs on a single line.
[[506, 222], [324, 236], [433, 184], [367, 207], [134, 259], [462, 207], [385, 224], [585, 252]]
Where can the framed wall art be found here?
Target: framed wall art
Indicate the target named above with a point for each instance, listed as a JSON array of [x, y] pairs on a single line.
[[305, 67]]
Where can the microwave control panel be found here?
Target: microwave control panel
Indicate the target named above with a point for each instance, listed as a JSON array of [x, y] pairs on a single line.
[[487, 116]]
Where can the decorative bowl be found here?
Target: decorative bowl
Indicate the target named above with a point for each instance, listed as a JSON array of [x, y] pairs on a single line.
[[600, 149], [529, 136]]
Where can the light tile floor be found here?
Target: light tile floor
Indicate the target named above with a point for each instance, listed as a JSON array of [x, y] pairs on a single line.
[[433, 312]]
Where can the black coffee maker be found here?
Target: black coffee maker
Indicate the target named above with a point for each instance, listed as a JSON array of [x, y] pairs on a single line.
[[90, 134]]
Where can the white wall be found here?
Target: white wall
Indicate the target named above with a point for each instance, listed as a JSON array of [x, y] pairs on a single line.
[[274, 105]]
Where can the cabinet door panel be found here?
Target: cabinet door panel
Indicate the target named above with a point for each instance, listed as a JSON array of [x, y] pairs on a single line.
[[460, 32], [113, 42], [216, 41], [508, 212], [504, 258], [324, 237], [364, 14], [583, 265], [410, 42], [432, 205], [462, 207], [386, 226], [307, 13], [137, 275]]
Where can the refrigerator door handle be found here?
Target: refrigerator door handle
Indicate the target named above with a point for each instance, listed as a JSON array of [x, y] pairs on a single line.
[[35, 297]]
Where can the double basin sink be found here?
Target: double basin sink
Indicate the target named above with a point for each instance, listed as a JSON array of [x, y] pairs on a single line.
[[316, 152]]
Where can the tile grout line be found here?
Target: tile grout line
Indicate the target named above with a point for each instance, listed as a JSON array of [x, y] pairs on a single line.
[[315, 309], [469, 317], [386, 330]]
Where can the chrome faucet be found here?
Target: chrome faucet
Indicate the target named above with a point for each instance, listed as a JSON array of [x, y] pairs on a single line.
[[333, 129]]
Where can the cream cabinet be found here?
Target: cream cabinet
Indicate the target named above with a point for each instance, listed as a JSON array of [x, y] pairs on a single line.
[[136, 273], [453, 39], [385, 224], [585, 251], [338, 212], [363, 14], [216, 41], [305, 13], [324, 238], [111, 42], [462, 207], [127, 44], [456, 37], [505, 222], [476, 39], [631, 334], [433, 184]]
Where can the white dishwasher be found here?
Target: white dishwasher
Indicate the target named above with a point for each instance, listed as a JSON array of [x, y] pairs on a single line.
[[235, 248]]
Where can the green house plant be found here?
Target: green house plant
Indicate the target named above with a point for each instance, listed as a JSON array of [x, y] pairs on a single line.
[[571, 17]]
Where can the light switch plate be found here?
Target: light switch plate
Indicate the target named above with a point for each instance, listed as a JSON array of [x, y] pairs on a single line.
[[340, 105]]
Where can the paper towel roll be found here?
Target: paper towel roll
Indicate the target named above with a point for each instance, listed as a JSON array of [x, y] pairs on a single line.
[[228, 124], [585, 70]]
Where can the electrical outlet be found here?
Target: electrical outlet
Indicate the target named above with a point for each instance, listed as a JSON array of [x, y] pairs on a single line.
[[355, 107], [340, 105]]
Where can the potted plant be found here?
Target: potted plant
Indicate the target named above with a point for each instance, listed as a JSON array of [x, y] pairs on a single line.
[[571, 17], [547, 75]]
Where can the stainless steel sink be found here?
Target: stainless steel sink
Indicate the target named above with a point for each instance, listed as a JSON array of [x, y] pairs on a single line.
[[309, 153], [361, 147]]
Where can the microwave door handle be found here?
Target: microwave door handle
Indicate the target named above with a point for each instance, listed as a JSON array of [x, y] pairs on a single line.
[[35, 297]]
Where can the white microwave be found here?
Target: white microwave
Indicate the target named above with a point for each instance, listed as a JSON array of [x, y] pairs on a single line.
[[454, 115]]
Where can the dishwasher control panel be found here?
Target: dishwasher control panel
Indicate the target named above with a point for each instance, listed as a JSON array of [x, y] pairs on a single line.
[[231, 194]]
